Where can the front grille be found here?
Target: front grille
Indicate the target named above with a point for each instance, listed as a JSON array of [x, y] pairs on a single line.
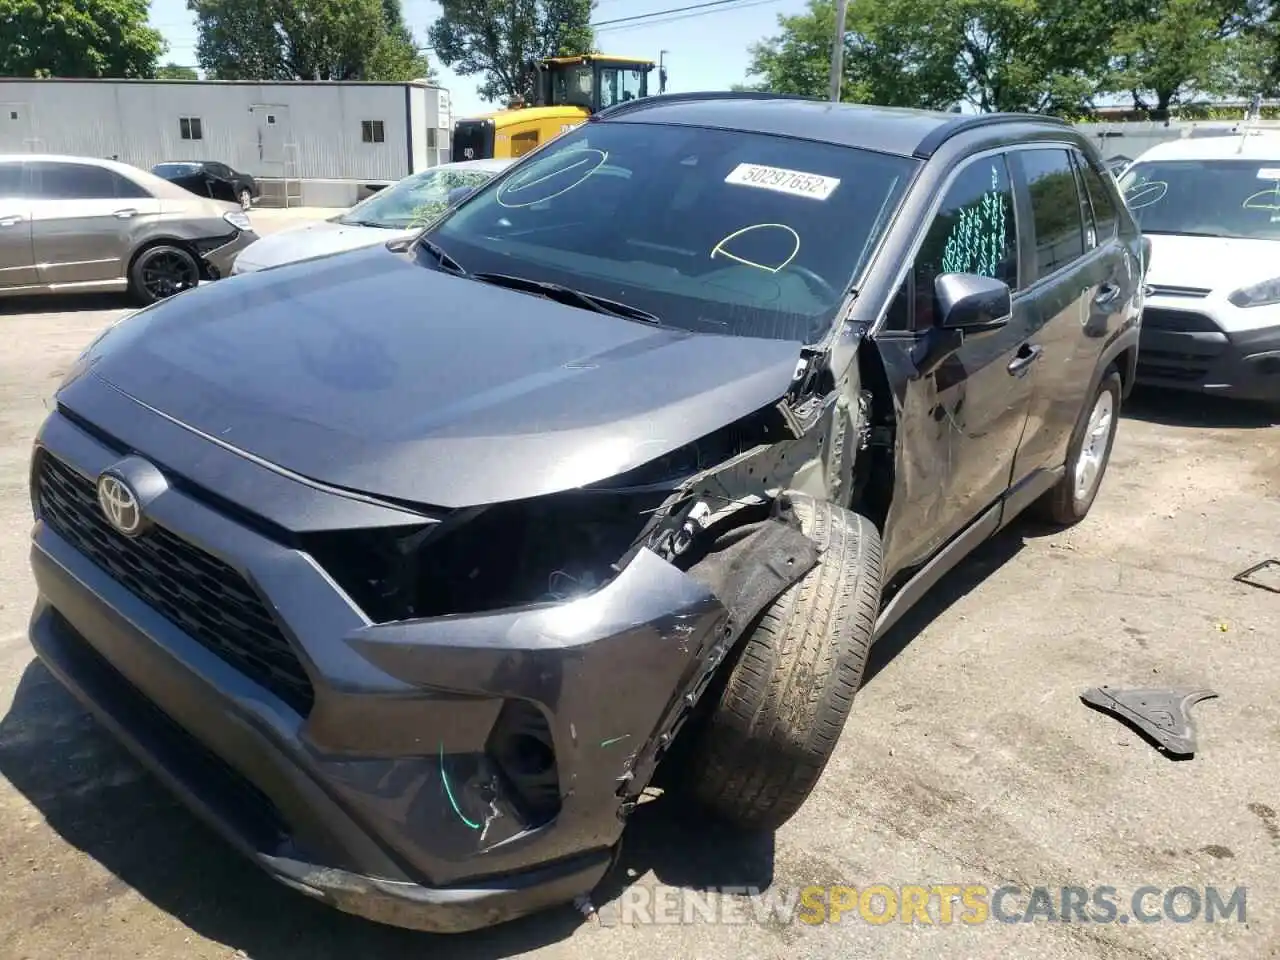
[[1162, 290], [199, 593], [1178, 321], [1173, 372]]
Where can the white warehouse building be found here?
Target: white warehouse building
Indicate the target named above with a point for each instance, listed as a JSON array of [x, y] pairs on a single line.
[[307, 142]]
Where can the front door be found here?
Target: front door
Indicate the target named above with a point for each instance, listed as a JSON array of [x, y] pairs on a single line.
[[17, 259], [84, 219], [966, 418]]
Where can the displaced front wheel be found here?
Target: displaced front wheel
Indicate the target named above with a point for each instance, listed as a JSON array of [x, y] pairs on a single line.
[[767, 740]]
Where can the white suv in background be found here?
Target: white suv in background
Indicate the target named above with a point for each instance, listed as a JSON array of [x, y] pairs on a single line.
[[1211, 208]]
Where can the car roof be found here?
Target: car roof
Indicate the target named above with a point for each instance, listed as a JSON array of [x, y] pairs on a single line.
[[158, 186], [1257, 145], [897, 130]]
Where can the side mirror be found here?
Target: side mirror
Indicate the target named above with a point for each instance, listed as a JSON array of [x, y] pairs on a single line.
[[457, 195], [972, 303], [968, 305]]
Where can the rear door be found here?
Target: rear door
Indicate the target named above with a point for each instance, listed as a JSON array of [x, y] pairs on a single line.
[[1066, 268], [17, 258], [84, 221]]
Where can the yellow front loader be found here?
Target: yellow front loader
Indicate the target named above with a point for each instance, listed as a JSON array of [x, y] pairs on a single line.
[[569, 89]]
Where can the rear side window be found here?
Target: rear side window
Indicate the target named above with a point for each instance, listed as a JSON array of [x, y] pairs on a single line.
[[10, 179], [974, 231], [80, 181], [1055, 208], [1105, 216]]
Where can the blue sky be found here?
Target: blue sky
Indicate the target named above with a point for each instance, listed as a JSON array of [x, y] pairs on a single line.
[[706, 52]]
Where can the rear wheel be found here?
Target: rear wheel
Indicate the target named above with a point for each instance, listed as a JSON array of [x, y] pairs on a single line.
[[159, 272], [767, 740], [1087, 457]]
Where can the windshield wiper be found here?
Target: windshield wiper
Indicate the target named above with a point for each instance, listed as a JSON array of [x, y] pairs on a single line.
[[363, 223], [569, 296], [443, 258]]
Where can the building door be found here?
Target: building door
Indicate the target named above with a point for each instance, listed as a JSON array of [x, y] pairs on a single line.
[[272, 122]]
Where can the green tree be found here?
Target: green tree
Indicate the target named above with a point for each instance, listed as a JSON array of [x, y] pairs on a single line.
[[1043, 55], [77, 38], [502, 39], [172, 71], [1170, 51], [305, 40]]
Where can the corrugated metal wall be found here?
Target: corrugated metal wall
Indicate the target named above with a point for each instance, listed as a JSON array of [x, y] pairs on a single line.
[[302, 130]]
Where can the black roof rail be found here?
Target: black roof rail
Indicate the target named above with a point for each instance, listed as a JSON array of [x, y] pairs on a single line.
[[945, 131], [657, 100]]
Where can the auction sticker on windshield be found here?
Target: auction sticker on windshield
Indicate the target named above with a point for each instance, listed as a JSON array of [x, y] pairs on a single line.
[[794, 182]]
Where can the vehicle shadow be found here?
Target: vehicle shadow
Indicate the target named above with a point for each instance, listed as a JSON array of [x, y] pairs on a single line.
[[961, 580], [1178, 408], [96, 798], [65, 303]]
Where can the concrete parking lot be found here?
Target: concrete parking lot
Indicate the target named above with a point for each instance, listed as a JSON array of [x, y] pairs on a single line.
[[969, 758]]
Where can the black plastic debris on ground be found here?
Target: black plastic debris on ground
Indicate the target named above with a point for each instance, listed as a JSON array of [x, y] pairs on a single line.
[[1162, 716], [1264, 575]]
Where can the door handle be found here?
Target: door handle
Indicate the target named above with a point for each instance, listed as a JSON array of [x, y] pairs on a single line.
[[12, 220], [1107, 293], [125, 214], [1027, 354]]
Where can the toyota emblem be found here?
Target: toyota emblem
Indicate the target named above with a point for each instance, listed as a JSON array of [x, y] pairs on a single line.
[[119, 505]]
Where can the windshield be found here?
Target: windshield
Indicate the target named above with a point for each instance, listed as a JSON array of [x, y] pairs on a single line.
[[620, 84], [1217, 198], [175, 169], [570, 85], [709, 230], [413, 201]]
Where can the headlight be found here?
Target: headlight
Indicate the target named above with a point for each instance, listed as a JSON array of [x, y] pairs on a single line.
[[238, 219], [1258, 295]]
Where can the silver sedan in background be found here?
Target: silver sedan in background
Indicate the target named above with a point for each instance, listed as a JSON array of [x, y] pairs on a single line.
[[398, 210], [79, 224]]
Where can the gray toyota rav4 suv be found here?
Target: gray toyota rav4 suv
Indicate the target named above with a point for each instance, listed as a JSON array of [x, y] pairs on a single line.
[[406, 567]]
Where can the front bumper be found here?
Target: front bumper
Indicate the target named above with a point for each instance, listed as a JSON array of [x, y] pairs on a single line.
[[1186, 350], [221, 259], [385, 792]]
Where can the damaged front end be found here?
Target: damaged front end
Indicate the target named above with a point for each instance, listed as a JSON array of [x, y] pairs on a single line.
[[585, 625], [458, 713]]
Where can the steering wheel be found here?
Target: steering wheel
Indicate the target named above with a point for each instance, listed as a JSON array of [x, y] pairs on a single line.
[[814, 282]]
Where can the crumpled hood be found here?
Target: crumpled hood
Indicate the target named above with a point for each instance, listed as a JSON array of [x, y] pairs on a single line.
[[370, 372], [1211, 263], [313, 240]]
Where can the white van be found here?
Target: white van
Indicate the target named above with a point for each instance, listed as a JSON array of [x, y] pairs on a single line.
[[1211, 208]]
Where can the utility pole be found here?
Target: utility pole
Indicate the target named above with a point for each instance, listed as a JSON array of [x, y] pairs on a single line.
[[662, 71], [837, 50]]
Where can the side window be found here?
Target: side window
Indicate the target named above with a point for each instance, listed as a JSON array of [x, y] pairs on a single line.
[[974, 232], [126, 189], [898, 317], [1055, 208], [1105, 216], [10, 180], [73, 181]]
